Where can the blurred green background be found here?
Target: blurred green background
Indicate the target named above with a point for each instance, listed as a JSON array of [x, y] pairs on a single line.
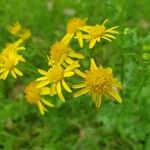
[[77, 124]]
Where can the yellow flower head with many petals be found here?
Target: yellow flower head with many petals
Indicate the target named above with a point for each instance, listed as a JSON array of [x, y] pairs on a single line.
[[73, 28], [55, 77], [34, 96], [18, 31], [99, 81], [9, 59], [61, 53], [98, 32]]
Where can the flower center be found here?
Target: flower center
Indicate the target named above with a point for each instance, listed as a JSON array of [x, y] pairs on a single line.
[[9, 64], [74, 25], [32, 93], [99, 81], [97, 31], [59, 52], [55, 74]]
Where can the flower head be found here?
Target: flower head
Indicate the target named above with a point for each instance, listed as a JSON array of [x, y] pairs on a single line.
[[55, 77], [13, 47], [34, 96], [73, 28], [18, 31], [98, 32], [98, 81], [61, 53], [9, 59]]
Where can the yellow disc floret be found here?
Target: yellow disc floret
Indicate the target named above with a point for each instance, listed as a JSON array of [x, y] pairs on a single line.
[[55, 74], [99, 81]]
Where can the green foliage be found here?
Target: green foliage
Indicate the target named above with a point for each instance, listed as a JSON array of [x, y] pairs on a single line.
[[77, 124]]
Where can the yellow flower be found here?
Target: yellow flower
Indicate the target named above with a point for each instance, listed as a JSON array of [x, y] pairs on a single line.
[[61, 53], [98, 81], [13, 47], [98, 32], [18, 31], [73, 29], [15, 28], [9, 59], [34, 96], [55, 77]]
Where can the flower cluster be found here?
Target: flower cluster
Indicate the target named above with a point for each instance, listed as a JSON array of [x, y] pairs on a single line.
[[64, 64], [10, 56]]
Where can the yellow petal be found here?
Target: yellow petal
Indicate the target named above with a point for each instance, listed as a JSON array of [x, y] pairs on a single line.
[[43, 72], [78, 86], [109, 70], [41, 107], [105, 22], [75, 55], [80, 73], [66, 87], [92, 43], [86, 36], [17, 43], [81, 92], [85, 29], [53, 89], [80, 40], [42, 83], [103, 37], [93, 65], [41, 78], [117, 84], [45, 91], [110, 36], [68, 74], [68, 60], [58, 88], [67, 38], [2, 70], [112, 31], [4, 75], [13, 74], [72, 66], [98, 100], [21, 48], [17, 71], [115, 95], [112, 28], [47, 103]]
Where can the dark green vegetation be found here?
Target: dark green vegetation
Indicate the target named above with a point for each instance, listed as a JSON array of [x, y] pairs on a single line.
[[77, 125]]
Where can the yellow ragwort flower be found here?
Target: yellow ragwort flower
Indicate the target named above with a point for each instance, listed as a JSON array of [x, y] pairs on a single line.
[[13, 47], [98, 81], [34, 96], [9, 59], [55, 77], [60, 53], [73, 29], [98, 32], [18, 31]]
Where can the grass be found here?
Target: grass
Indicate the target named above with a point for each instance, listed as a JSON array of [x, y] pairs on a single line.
[[77, 124]]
